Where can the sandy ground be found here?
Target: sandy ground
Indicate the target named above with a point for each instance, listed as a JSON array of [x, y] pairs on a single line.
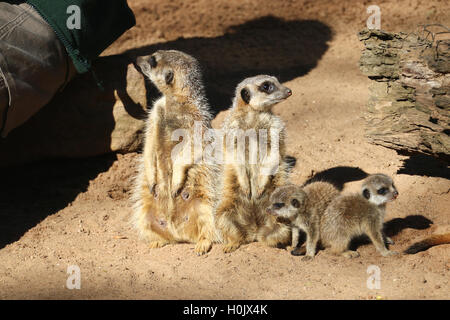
[[76, 212]]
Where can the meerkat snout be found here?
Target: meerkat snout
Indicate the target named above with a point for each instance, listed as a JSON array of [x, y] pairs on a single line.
[[166, 67], [273, 210], [287, 201], [146, 61]]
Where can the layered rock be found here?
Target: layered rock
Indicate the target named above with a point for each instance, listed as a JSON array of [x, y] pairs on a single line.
[[409, 104]]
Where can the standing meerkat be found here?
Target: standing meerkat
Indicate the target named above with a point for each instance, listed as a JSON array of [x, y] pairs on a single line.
[[303, 209], [173, 191], [346, 216], [252, 171]]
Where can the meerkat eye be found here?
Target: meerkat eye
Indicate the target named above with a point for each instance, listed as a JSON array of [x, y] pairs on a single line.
[[153, 62], [295, 203], [169, 77], [267, 87], [382, 191]]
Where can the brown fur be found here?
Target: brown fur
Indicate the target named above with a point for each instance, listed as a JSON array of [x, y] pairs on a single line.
[[306, 213], [239, 214], [173, 202], [351, 215], [345, 217]]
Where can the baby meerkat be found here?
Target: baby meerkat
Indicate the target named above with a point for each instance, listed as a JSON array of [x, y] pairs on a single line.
[[303, 208], [260, 167], [167, 204], [346, 217]]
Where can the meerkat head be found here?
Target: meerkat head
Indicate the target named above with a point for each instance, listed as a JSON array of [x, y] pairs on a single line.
[[379, 189], [173, 72], [287, 202], [261, 92]]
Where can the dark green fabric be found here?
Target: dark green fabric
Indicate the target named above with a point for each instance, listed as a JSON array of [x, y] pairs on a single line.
[[102, 22]]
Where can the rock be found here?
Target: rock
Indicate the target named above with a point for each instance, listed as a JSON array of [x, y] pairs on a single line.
[[83, 120], [409, 103]]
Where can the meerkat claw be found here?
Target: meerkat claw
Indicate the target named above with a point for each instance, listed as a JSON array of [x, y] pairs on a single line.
[[157, 244], [230, 248], [202, 247]]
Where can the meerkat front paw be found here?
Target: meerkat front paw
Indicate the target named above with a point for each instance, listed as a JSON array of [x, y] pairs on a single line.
[[307, 258], [157, 244], [177, 191], [230, 247], [202, 247], [247, 191], [389, 240], [152, 188], [298, 251], [260, 193]]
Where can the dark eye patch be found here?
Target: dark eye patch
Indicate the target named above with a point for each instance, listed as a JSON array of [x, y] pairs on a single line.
[[366, 193], [295, 203], [153, 62], [278, 205], [169, 77], [245, 95], [267, 87], [382, 191]]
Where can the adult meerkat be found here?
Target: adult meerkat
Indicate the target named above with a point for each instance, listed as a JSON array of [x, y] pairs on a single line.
[[303, 208], [173, 191], [346, 216], [255, 170]]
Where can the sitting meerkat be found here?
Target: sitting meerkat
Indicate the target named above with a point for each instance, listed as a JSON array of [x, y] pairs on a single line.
[[246, 185], [173, 191], [303, 209], [346, 216]]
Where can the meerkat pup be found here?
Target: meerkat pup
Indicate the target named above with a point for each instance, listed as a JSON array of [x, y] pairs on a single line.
[[167, 207], [303, 208], [346, 216], [252, 171]]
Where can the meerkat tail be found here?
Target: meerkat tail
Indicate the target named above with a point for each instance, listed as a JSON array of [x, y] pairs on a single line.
[[428, 243]]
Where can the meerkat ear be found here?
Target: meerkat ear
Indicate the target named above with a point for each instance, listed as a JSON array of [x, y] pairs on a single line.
[[169, 77], [245, 95], [295, 203], [366, 193]]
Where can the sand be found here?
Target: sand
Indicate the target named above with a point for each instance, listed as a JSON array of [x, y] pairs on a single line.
[[60, 213]]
